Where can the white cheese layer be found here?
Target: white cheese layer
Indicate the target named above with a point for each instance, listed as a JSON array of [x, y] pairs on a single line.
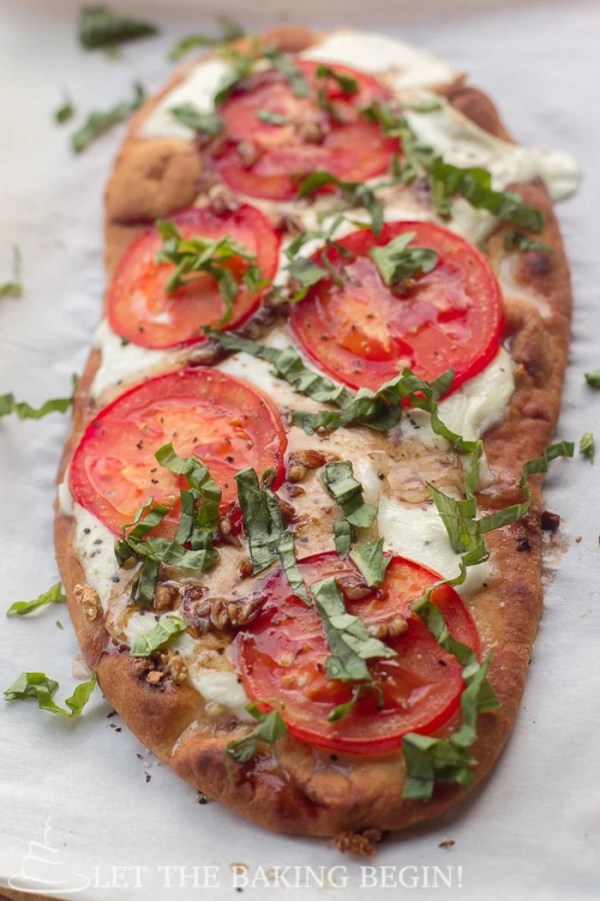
[[419, 534], [217, 686], [406, 66], [464, 144], [198, 88], [94, 547], [119, 362]]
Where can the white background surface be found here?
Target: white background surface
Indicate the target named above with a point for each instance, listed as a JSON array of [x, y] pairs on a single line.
[[533, 830]]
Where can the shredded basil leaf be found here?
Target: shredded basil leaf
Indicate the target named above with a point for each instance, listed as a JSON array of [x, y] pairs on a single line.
[[272, 118], [428, 759], [192, 548], [371, 562], [158, 636], [346, 83], [459, 516], [426, 105], [23, 410], [65, 111], [14, 287], [100, 27], [516, 240], [290, 71], [54, 595], [593, 378], [241, 65], [347, 492], [99, 123], [360, 689], [397, 261], [190, 116], [348, 637], [268, 540], [230, 31], [43, 689], [354, 194], [198, 256], [587, 446], [446, 181], [287, 365], [271, 727]]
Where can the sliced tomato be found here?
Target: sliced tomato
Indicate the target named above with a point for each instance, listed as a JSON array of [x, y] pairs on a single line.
[[364, 333], [139, 308], [268, 160], [226, 423], [282, 657]]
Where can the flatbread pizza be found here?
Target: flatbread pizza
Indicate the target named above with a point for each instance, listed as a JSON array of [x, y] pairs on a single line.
[[299, 512]]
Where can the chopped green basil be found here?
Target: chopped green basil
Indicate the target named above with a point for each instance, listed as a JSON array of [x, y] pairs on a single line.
[[446, 180], [23, 410], [272, 118], [289, 366], [348, 637], [516, 240], [241, 65], [346, 83], [14, 287], [158, 636], [65, 111], [271, 727], [192, 548], [354, 194], [426, 105], [230, 31], [268, 540], [306, 273], [464, 530], [358, 690], [43, 689], [428, 759], [99, 123], [54, 595], [290, 71], [100, 27], [397, 261], [371, 562], [593, 378], [587, 446], [347, 492], [190, 116], [196, 256]]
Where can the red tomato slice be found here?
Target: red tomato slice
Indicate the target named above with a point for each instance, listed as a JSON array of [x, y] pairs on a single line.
[[365, 332], [140, 310], [277, 157], [282, 656], [226, 423]]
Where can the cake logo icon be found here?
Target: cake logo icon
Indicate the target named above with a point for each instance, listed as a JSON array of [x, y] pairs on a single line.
[[43, 871]]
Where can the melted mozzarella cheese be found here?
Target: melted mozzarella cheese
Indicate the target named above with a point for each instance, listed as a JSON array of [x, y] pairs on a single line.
[[120, 362], [94, 546], [418, 533], [464, 144], [198, 88], [405, 64]]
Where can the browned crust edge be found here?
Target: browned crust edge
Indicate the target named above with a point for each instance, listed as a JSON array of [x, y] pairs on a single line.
[[292, 787]]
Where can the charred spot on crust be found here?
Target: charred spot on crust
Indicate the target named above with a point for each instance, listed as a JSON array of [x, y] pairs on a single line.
[[549, 521]]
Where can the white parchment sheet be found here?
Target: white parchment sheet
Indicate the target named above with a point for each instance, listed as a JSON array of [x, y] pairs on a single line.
[[83, 803]]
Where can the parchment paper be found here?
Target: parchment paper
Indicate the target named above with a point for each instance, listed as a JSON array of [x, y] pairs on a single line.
[[105, 816]]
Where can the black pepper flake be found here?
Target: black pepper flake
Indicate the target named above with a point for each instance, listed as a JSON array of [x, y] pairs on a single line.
[[154, 481], [523, 543], [148, 777], [140, 443], [86, 531], [115, 579], [202, 799], [333, 757]]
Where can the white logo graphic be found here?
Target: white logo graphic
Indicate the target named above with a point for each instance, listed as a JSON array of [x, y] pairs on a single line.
[[43, 871]]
